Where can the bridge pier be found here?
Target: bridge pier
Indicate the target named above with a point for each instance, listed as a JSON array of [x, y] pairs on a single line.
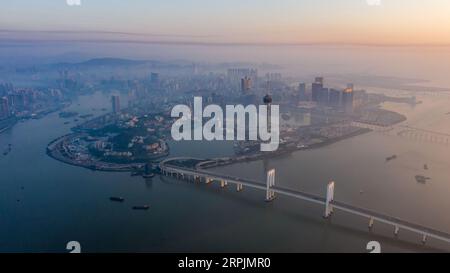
[[396, 230], [270, 182], [329, 199], [239, 187], [371, 223], [424, 239], [223, 183]]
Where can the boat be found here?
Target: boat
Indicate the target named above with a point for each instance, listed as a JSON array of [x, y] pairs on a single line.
[[144, 207], [422, 179], [117, 199], [391, 158]]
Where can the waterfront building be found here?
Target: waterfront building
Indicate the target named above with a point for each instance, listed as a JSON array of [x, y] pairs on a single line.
[[4, 108], [347, 100], [316, 89], [360, 98]]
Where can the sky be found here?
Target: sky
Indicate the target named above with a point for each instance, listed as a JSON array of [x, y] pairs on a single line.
[[393, 22]]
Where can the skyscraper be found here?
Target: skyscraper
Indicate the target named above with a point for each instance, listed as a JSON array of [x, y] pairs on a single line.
[[154, 79], [347, 100], [316, 89], [324, 96], [335, 97], [115, 100], [302, 91]]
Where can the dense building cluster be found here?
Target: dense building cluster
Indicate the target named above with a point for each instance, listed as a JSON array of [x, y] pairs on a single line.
[[27, 102]]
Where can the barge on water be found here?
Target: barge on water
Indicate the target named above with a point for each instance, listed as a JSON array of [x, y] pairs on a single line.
[[144, 207], [117, 199]]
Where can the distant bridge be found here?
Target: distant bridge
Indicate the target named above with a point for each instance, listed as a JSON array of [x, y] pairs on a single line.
[[201, 175], [418, 134]]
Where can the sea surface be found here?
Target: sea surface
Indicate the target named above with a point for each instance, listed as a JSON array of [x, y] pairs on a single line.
[[45, 203]]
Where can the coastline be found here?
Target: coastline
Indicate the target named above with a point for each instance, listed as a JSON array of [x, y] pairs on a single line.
[[9, 125], [53, 152], [211, 163]]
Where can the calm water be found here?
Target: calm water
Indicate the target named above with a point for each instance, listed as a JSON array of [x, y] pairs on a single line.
[[61, 203]]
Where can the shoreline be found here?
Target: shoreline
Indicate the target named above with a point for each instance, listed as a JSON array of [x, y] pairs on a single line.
[[218, 162], [53, 152]]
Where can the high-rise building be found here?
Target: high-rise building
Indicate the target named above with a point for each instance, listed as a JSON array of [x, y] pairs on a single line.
[[246, 84], [324, 96], [319, 80], [4, 108], [115, 100], [316, 89], [274, 77], [335, 97], [302, 91], [347, 100], [154, 79], [239, 73]]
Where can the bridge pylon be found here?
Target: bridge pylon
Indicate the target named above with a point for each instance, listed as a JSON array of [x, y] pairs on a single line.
[[270, 182], [329, 199]]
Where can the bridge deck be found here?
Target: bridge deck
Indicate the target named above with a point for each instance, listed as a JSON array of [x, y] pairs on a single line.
[[380, 217]]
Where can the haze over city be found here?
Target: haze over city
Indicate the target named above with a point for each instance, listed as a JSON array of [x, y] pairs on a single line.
[[355, 103]]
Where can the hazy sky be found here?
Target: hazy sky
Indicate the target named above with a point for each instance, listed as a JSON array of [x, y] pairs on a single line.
[[231, 21]]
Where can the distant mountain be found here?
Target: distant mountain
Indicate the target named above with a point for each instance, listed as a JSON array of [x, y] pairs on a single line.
[[153, 64], [105, 62], [111, 62]]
